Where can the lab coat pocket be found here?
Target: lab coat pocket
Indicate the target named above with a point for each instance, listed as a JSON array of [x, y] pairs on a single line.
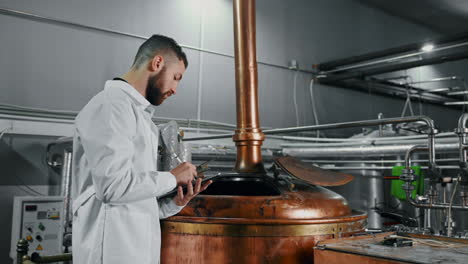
[[127, 236]]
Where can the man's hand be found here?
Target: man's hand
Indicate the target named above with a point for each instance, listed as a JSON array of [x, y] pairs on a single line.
[[184, 173], [181, 200]]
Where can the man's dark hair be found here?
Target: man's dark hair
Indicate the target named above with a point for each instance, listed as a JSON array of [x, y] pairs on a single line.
[[158, 44]]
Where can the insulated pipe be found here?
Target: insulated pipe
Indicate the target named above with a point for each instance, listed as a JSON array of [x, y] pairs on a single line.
[[360, 123], [370, 142], [394, 139], [363, 151], [462, 132], [363, 123], [248, 135]]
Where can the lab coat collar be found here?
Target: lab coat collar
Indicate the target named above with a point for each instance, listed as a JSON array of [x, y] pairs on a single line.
[[139, 99]]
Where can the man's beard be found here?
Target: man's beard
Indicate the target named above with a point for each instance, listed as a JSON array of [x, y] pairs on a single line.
[[153, 91]]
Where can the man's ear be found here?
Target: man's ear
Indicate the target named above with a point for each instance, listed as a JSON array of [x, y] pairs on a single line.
[[157, 63]]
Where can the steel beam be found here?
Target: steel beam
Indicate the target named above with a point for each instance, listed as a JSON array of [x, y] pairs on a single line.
[[392, 51], [393, 67]]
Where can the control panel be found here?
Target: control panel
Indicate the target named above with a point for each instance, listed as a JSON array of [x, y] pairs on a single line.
[[37, 219]]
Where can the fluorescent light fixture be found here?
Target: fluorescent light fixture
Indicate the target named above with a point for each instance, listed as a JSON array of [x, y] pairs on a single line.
[[427, 47], [456, 103], [458, 93], [436, 90], [443, 89]]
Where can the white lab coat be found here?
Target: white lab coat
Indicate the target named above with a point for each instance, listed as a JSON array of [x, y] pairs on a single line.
[[115, 183]]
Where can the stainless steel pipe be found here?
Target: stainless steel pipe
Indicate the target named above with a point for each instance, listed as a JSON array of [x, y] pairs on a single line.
[[410, 152], [432, 205], [462, 132], [361, 123], [364, 123], [66, 174], [369, 142], [362, 151]]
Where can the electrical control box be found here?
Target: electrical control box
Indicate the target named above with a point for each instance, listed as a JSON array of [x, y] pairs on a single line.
[[38, 220]]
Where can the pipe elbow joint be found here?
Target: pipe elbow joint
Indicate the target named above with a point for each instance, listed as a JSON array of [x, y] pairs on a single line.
[[462, 121], [429, 122], [410, 199]]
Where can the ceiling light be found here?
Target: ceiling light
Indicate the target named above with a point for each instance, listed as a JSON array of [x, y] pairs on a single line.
[[456, 103], [427, 47], [458, 93]]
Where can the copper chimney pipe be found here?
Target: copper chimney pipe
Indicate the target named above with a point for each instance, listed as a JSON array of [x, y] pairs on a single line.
[[248, 135]]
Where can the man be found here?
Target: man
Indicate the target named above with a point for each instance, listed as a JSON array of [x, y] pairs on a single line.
[[115, 185]]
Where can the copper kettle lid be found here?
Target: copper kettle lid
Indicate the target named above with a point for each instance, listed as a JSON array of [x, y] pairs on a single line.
[[312, 174]]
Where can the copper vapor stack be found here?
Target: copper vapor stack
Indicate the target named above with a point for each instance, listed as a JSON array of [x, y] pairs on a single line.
[[248, 216], [248, 135]]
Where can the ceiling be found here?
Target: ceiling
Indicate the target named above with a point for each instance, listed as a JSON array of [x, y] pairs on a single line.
[[443, 16]]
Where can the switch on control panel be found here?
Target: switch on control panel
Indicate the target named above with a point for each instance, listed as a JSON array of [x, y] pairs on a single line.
[[37, 220]]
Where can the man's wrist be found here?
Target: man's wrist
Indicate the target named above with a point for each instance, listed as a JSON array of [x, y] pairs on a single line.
[[175, 178]]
